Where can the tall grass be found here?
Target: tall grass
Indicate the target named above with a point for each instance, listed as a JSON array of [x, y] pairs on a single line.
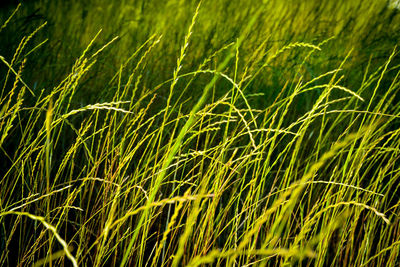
[[194, 170]]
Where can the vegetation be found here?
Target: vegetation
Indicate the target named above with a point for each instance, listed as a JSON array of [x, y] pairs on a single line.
[[191, 133]]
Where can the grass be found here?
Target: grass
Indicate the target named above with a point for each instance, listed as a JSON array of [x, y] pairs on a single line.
[[185, 149]]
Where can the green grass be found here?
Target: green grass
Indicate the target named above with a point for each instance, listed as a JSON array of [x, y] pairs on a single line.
[[216, 133]]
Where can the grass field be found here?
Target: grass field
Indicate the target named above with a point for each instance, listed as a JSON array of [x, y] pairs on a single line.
[[211, 133]]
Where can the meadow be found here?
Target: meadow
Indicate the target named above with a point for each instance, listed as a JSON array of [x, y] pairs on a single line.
[[199, 133]]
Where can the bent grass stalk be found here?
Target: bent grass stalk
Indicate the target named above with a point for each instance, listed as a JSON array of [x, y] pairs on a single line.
[[48, 227]]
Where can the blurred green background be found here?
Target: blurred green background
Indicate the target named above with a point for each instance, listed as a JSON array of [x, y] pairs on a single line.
[[370, 29]]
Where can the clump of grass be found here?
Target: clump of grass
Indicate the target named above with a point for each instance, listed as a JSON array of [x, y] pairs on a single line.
[[207, 178]]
